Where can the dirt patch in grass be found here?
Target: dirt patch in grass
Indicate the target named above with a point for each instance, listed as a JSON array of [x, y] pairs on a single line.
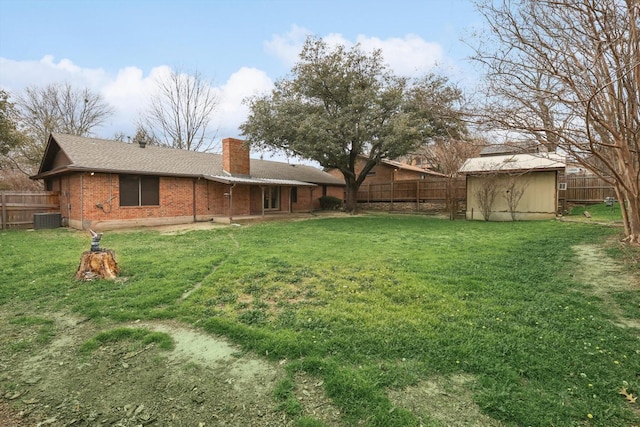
[[605, 276], [449, 400], [203, 381]]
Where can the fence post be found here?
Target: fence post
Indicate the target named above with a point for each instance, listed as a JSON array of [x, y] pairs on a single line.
[[391, 208], [4, 209]]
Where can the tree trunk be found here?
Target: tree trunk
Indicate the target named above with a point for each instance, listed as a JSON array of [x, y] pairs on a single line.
[[631, 207], [351, 203], [98, 265]]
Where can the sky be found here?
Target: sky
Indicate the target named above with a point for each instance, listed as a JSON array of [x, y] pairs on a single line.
[[117, 48]]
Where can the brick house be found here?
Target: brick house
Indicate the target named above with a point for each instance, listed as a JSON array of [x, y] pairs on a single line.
[[110, 184], [387, 171]]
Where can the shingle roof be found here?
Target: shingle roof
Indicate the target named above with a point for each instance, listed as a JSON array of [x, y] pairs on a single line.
[[521, 147], [513, 162], [101, 155], [405, 166]]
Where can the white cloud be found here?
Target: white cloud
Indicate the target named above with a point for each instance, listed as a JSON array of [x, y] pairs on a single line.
[[16, 75], [407, 56], [287, 46], [128, 93], [231, 112]]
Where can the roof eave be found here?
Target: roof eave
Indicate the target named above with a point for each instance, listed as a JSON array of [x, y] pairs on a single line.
[[72, 168], [498, 171]]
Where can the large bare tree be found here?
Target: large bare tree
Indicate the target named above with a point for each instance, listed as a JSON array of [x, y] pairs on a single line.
[[567, 74], [58, 107], [180, 111]]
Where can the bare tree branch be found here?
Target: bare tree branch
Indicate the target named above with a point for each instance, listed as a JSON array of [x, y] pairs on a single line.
[[180, 112], [566, 73]]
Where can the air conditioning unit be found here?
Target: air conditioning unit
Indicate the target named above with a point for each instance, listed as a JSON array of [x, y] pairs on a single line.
[[47, 220]]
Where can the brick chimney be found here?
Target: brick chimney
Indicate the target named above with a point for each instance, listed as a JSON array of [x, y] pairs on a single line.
[[235, 156]]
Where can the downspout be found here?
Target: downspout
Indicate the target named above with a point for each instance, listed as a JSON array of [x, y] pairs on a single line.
[[290, 202], [82, 200], [231, 203], [194, 199], [262, 201]]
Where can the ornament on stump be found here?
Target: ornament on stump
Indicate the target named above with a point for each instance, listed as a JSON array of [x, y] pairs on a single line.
[[97, 263]]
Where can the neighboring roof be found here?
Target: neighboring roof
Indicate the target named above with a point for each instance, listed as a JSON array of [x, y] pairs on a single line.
[[514, 162], [408, 167], [101, 155], [512, 148]]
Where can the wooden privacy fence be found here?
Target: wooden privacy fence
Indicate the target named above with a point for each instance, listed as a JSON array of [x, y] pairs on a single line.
[[17, 207], [421, 190], [579, 190], [586, 189]]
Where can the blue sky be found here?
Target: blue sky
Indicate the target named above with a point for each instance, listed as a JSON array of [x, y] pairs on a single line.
[[118, 47]]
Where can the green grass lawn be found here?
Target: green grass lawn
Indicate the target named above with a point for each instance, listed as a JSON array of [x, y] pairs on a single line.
[[599, 212], [369, 304]]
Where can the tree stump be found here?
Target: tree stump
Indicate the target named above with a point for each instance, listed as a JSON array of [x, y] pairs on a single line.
[[98, 265]]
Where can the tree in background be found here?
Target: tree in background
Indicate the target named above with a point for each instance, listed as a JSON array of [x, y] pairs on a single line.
[[58, 107], [343, 104], [441, 107], [11, 178], [10, 136], [447, 155], [567, 74], [180, 112]]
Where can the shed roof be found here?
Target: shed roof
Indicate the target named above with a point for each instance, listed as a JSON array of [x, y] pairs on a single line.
[[516, 147], [101, 155], [513, 163]]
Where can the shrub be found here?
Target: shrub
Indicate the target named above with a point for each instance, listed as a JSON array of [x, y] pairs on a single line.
[[330, 203]]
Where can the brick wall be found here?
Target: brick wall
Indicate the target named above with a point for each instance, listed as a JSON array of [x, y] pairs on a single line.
[[81, 193], [86, 191], [235, 156]]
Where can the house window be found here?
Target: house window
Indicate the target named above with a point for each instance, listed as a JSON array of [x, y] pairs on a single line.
[[272, 198], [294, 194], [139, 190]]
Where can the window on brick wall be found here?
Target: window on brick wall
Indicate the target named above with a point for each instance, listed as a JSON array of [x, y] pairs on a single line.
[[139, 190], [294, 194]]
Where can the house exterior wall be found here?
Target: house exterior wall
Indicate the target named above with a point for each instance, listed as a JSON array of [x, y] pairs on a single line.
[[539, 201], [333, 191], [81, 193], [182, 200]]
